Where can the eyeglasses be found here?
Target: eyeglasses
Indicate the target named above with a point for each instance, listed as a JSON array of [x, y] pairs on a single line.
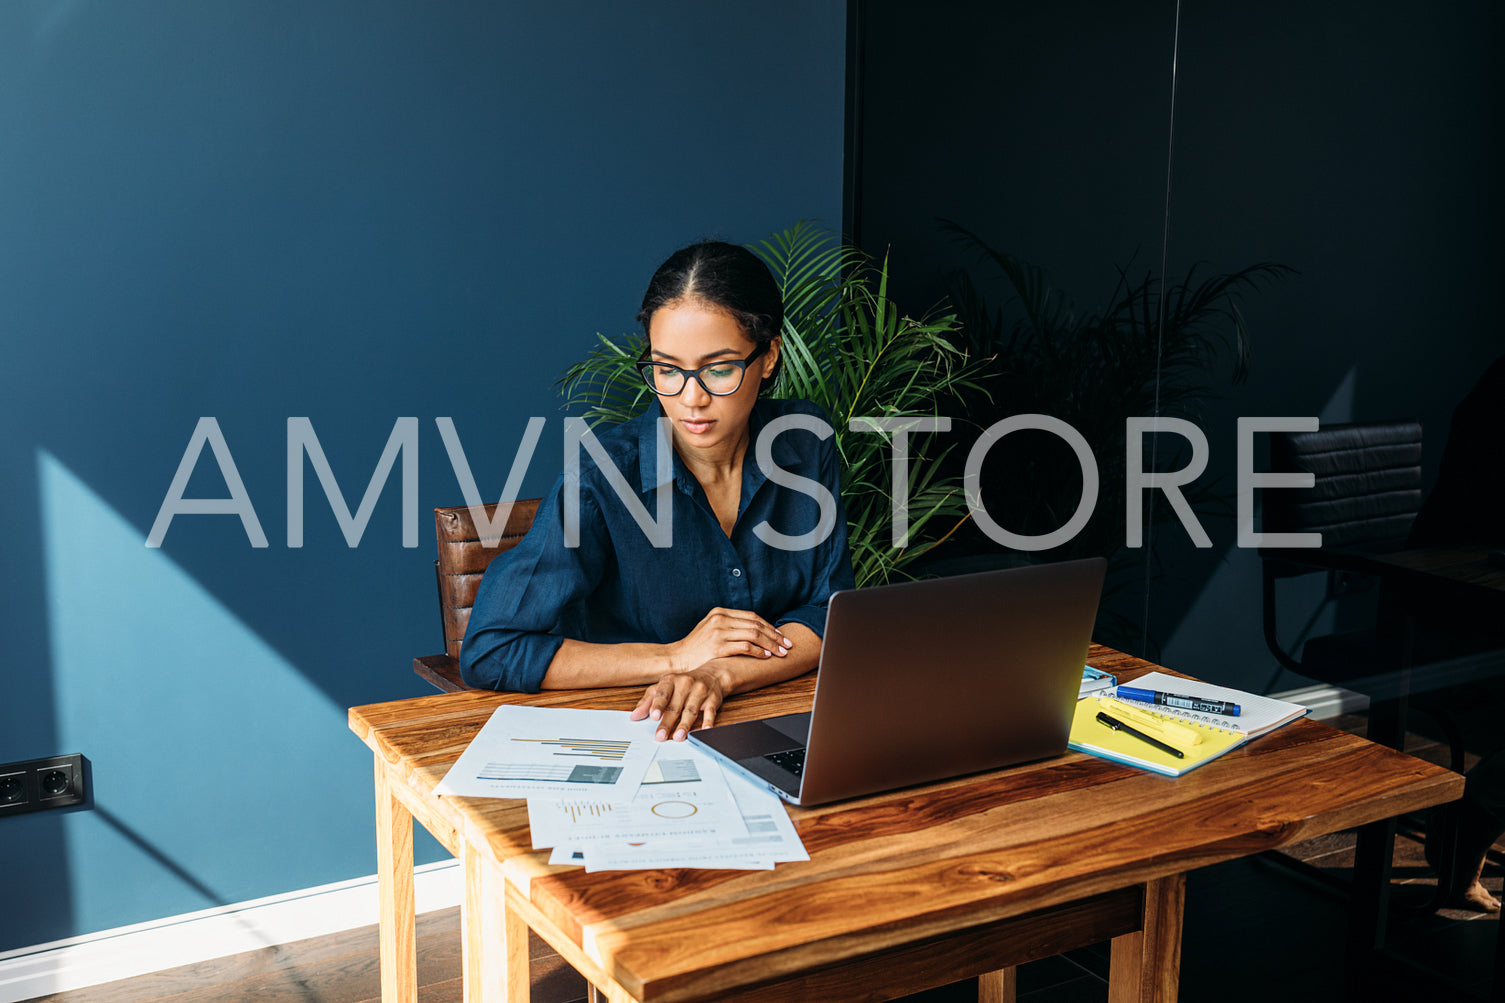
[[717, 378]]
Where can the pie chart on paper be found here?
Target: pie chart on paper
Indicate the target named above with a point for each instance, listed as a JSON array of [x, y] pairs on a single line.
[[674, 809]]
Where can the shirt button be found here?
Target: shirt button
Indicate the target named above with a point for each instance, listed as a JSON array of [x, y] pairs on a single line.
[[736, 572]]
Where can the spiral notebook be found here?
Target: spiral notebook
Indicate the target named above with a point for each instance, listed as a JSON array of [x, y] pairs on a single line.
[[1091, 736], [1260, 714]]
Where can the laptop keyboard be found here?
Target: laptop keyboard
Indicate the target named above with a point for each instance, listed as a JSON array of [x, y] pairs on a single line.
[[793, 760]]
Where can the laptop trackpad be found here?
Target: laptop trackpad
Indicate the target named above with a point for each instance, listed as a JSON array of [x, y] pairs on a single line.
[[750, 739], [795, 726]]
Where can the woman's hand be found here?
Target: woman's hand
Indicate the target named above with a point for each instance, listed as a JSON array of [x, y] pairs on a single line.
[[726, 632], [680, 700]]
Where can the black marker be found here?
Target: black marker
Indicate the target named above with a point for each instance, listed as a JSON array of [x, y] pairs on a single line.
[[1118, 725]]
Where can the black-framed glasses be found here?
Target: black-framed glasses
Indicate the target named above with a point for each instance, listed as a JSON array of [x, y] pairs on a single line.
[[717, 378]]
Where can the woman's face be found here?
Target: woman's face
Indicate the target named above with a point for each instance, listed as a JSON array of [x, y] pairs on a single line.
[[690, 334]]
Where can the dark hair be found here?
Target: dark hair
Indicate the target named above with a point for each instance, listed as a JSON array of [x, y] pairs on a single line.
[[727, 277]]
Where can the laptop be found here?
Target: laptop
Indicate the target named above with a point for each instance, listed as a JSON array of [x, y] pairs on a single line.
[[928, 680]]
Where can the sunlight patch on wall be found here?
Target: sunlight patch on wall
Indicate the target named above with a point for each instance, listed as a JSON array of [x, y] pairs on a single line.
[[205, 744]]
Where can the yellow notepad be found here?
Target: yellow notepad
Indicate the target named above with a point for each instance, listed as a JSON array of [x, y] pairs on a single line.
[[1095, 738]]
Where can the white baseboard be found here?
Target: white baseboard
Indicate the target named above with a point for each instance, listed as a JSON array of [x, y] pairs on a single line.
[[130, 951], [1323, 703]]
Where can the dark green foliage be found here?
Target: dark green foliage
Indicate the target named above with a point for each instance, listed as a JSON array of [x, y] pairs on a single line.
[[1145, 352]]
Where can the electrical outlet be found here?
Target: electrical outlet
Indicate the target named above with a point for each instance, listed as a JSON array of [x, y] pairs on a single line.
[[39, 784], [12, 789]]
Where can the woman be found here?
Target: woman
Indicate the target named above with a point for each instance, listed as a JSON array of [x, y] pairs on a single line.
[[720, 610]]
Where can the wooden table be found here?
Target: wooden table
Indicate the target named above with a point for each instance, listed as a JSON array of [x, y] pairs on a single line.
[[1464, 569], [903, 891]]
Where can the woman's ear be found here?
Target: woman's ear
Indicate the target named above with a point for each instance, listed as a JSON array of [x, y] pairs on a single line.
[[771, 357]]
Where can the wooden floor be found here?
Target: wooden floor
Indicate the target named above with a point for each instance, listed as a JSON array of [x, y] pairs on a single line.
[[1254, 930]]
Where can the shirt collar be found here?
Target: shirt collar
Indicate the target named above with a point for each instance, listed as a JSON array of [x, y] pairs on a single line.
[[648, 447]]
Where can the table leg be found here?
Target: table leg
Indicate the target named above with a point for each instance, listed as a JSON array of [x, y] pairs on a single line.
[[394, 875], [1369, 899], [472, 940], [495, 946], [1145, 966], [1499, 981], [998, 987]]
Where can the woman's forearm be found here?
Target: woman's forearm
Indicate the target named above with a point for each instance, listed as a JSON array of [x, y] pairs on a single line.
[[742, 673], [579, 665], [583, 665]]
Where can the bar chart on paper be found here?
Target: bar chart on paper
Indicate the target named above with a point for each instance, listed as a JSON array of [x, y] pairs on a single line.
[[594, 748], [542, 771], [577, 812], [563, 748], [535, 751]]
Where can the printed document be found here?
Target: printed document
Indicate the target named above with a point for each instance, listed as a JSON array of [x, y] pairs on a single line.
[[683, 798], [770, 838], [769, 828], [527, 752]]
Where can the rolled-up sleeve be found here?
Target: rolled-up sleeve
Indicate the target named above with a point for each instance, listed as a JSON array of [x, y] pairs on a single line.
[[513, 631]]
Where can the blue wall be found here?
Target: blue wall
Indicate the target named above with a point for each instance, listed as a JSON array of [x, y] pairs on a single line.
[[354, 212]]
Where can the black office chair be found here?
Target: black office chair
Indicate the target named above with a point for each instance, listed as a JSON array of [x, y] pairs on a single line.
[[1366, 495]]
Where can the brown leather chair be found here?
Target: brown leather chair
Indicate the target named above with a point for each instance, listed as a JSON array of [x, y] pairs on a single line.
[[463, 558]]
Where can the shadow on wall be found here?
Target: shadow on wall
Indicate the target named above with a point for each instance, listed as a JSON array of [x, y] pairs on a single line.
[[176, 703]]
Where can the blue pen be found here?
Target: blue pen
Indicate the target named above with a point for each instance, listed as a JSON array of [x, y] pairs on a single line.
[[1178, 700]]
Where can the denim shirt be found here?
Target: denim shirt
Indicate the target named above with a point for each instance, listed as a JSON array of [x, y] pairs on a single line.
[[616, 586]]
